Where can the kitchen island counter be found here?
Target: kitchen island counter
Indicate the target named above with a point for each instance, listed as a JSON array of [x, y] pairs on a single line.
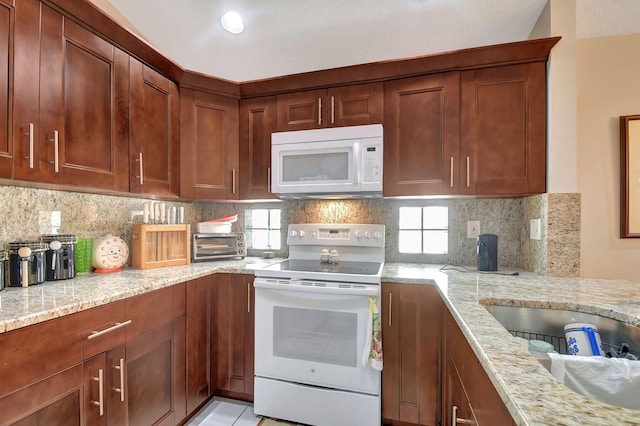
[[530, 393]]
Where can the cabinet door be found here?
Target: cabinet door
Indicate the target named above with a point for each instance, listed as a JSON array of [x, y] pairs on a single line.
[[105, 388], [302, 110], [503, 130], [26, 95], [257, 122], [209, 146], [466, 385], [6, 67], [83, 106], [56, 400], [457, 402], [411, 343], [235, 334], [198, 342], [421, 135], [150, 377], [155, 132], [355, 105]]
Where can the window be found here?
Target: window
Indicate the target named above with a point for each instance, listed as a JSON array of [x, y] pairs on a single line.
[[424, 230], [262, 228]]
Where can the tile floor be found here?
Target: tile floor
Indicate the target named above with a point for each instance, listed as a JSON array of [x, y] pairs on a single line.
[[230, 412], [225, 412]]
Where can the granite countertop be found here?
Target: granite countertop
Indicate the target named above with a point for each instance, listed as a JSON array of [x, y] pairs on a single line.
[[531, 394]]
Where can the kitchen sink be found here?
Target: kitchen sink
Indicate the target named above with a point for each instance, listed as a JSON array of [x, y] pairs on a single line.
[[548, 325]]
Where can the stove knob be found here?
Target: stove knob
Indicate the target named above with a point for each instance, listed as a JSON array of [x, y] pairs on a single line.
[[367, 235], [302, 234], [358, 234], [294, 233], [377, 235]]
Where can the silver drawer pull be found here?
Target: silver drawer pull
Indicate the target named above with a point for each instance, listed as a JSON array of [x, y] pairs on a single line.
[[118, 325]]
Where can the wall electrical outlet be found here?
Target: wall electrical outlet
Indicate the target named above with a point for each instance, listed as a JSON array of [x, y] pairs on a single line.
[[535, 233], [473, 228]]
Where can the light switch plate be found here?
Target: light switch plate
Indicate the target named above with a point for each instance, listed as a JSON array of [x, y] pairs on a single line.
[[535, 233], [473, 228]]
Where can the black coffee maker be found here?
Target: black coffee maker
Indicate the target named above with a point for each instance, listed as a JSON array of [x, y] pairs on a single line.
[[487, 252]]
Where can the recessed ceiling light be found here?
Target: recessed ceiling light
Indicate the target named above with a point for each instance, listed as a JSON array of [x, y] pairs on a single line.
[[232, 22]]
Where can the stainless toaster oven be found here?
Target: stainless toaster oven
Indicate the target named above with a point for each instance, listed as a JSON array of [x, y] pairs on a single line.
[[217, 246]]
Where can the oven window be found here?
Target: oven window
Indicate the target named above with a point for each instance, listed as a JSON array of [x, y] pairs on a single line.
[[321, 336]]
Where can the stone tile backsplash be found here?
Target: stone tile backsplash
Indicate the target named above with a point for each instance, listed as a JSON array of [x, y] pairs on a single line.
[[27, 215]]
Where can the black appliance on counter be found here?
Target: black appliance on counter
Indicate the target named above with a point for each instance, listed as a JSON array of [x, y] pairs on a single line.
[[487, 252]]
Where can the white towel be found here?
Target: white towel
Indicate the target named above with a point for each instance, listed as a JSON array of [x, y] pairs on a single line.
[[614, 381], [372, 354]]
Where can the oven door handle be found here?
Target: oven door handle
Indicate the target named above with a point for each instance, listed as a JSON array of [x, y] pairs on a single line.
[[295, 286]]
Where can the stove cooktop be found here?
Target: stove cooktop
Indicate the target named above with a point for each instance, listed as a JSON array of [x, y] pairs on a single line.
[[365, 272]]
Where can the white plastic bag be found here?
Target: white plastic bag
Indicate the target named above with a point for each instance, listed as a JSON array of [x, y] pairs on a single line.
[[614, 381]]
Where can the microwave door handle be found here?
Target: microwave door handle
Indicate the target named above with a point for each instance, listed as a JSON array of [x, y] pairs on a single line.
[[356, 163]]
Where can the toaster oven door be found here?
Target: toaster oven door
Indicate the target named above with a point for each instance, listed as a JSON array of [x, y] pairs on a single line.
[[216, 246]]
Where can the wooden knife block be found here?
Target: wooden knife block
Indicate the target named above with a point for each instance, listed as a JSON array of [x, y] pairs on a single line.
[[157, 246]]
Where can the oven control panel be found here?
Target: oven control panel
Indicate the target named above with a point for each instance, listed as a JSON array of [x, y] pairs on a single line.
[[363, 235]]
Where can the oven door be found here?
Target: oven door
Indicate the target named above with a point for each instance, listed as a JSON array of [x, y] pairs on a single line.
[[313, 335]]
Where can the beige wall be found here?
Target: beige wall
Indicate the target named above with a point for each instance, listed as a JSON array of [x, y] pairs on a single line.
[[607, 87]]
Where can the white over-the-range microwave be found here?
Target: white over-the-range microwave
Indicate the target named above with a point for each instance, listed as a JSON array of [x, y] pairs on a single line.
[[334, 162]]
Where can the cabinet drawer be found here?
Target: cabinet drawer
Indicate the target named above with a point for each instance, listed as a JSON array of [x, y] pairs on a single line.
[[32, 353], [149, 311], [106, 322]]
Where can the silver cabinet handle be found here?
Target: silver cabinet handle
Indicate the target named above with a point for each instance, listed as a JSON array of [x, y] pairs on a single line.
[[120, 390], [233, 181], [30, 156], [55, 140], [100, 401], [319, 111], [456, 421], [467, 171], [248, 297], [451, 177], [117, 325], [333, 110], [141, 169], [390, 300]]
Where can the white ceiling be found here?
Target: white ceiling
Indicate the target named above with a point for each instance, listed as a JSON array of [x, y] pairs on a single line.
[[290, 36]]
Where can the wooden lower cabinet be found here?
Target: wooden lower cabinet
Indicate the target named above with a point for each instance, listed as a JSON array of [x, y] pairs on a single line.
[[131, 374], [235, 341], [467, 392], [56, 400], [201, 371], [411, 335]]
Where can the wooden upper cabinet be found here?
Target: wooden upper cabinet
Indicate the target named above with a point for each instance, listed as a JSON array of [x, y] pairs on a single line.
[[257, 122], [70, 114], [154, 146], [421, 135], [209, 146], [503, 130], [6, 37], [339, 106]]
